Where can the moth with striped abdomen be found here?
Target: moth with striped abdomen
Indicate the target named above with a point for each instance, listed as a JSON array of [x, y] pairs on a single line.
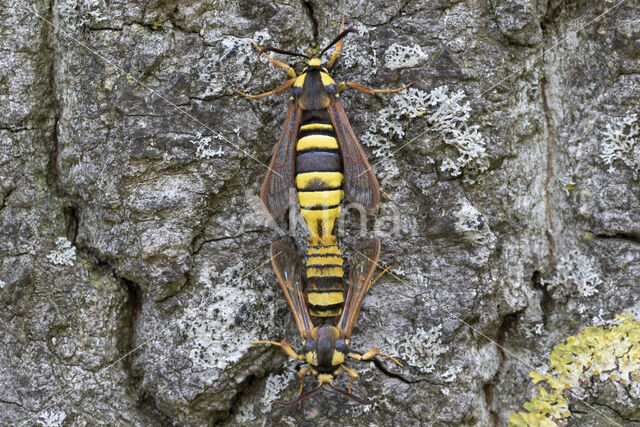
[[325, 346], [319, 155]]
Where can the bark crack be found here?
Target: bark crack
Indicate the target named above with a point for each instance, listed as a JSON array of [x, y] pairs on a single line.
[[14, 130], [546, 301], [72, 217], [489, 388], [203, 242], [54, 172], [5, 196], [393, 17], [314, 22], [381, 367], [131, 314], [246, 387], [69, 211], [390, 374], [549, 232], [629, 237], [9, 402], [615, 411]]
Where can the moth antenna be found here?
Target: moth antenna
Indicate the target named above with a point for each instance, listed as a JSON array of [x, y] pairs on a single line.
[[338, 38], [285, 52], [353, 396], [299, 398]]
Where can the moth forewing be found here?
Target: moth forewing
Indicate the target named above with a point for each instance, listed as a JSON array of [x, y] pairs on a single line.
[[365, 260], [286, 265], [360, 183], [274, 192]]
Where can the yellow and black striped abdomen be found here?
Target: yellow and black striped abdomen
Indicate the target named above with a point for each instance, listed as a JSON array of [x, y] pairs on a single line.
[[319, 181], [324, 281]]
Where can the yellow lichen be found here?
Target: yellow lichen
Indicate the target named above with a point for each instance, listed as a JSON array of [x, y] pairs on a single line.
[[607, 353]]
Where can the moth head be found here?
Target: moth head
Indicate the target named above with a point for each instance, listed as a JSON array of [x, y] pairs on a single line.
[[314, 62]]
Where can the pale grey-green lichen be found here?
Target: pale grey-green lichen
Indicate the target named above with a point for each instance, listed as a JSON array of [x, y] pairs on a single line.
[[400, 56], [64, 253], [215, 339], [576, 271], [620, 143], [77, 14], [51, 418], [420, 348], [245, 415], [277, 383], [204, 149], [447, 115]]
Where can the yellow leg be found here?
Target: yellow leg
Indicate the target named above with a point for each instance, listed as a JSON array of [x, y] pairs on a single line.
[[278, 64], [353, 374], [370, 355], [380, 275], [284, 345], [301, 373], [386, 195], [277, 91], [336, 52], [369, 91], [265, 342]]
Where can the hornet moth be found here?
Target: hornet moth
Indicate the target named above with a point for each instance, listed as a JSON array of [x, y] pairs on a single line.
[[325, 347], [319, 155]]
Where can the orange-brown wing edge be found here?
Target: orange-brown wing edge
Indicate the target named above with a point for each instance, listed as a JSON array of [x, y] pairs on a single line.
[[365, 260], [287, 267], [276, 186], [360, 183]]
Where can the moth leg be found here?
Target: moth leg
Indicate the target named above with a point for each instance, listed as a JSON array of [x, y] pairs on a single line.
[[369, 91], [301, 373], [284, 345], [353, 374], [386, 195], [277, 91], [370, 355], [278, 64], [336, 52]]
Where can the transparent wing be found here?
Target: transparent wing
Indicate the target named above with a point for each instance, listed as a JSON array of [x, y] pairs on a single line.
[[364, 264], [360, 183], [279, 180], [286, 264]]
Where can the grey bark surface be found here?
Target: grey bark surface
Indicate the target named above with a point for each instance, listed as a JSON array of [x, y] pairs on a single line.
[[120, 131]]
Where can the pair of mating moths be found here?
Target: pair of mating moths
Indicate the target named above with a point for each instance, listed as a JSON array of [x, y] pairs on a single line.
[[319, 154]]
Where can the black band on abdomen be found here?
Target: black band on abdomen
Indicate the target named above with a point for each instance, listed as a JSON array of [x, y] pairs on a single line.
[[318, 161]]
